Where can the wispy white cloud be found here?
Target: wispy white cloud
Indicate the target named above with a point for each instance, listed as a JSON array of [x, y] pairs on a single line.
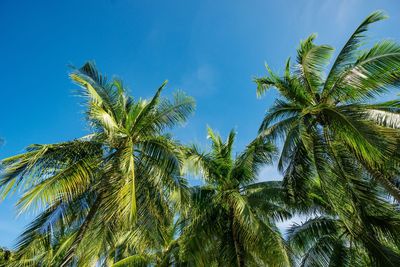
[[201, 81], [340, 12], [345, 9], [269, 173]]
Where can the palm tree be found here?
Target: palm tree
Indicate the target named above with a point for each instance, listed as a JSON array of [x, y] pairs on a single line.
[[117, 179], [166, 252], [320, 117], [367, 236], [5, 256], [231, 219]]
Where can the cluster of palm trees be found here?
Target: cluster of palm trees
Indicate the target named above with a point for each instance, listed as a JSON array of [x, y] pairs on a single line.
[[119, 196]]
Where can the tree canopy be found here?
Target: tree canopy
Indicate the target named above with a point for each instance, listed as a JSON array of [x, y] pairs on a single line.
[[120, 196]]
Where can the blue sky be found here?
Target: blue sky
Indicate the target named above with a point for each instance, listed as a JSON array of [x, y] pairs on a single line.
[[210, 49]]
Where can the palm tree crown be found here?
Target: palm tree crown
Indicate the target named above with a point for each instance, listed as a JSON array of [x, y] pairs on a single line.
[[336, 139], [336, 111], [118, 196], [119, 176], [231, 217]]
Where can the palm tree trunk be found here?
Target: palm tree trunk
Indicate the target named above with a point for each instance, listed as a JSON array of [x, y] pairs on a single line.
[[133, 187], [81, 232], [236, 242]]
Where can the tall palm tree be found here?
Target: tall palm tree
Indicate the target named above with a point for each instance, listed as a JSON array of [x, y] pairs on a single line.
[[231, 219], [5, 256], [367, 236], [318, 110], [118, 178], [166, 252]]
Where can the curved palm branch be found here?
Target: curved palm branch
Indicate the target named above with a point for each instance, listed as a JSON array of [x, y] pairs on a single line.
[[128, 165]]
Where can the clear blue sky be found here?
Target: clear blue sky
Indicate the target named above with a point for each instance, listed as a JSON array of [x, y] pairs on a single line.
[[210, 49]]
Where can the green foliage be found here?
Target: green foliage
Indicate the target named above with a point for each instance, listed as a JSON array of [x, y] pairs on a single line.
[[231, 219], [119, 197], [6, 256], [114, 182], [340, 149]]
